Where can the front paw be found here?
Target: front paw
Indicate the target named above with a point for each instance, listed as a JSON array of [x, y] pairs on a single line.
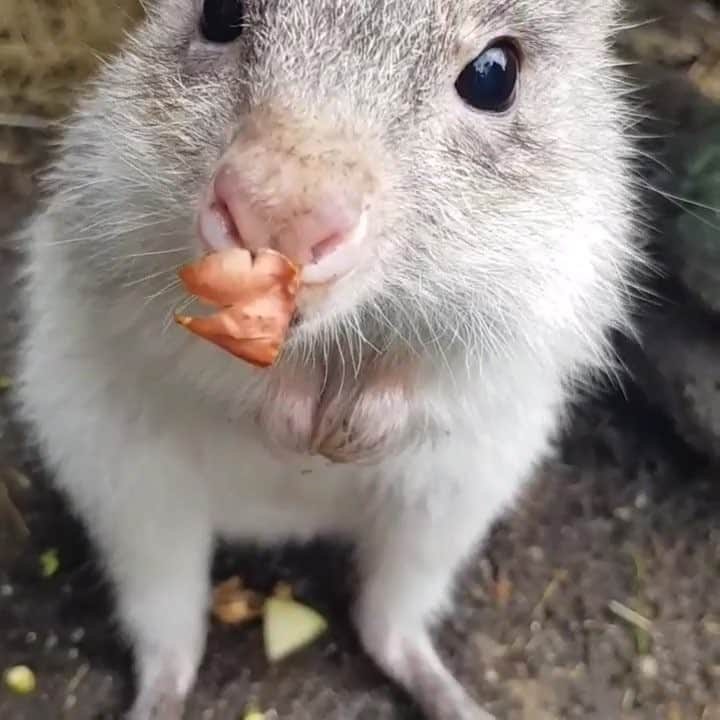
[[366, 420], [159, 701], [164, 681], [161, 707]]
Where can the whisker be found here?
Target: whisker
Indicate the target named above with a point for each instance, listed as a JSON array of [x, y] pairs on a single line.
[[153, 252], [151, 276], [149, 298], [684, 203], [174, 310]]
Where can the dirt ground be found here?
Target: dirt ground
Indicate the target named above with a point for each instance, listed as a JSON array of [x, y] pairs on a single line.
[[597, 599]]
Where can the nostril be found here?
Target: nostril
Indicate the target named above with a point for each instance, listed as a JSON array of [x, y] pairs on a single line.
[[326, 227], [321, 228], [233, 219], [338, 254]]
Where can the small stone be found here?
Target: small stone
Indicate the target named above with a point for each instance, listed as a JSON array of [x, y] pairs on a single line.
[[492, 677], [73, 653], [6, 590], [20, 481], [536, 553], [647, 666], [77, 635], [623, 513], [628, 700], [705, 11]]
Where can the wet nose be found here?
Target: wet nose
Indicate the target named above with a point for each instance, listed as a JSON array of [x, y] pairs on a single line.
[[320, 229]]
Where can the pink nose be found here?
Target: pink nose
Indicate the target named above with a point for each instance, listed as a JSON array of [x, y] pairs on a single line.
[[322, 233]]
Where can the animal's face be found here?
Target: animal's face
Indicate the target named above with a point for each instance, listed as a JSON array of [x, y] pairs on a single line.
[[453, 168]]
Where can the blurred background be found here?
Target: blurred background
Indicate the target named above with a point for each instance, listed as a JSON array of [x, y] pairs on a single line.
[[599, 598]]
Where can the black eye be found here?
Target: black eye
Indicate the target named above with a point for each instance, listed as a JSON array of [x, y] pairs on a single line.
[[489, 82], [221, 20]]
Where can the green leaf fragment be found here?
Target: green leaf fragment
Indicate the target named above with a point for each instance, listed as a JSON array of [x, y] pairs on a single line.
[[49, 563]]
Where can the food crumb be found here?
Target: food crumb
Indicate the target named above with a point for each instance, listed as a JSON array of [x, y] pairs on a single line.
[[289, 626], [49, 563], [20, 679], [253, 714], [234, 604], [647, 666]]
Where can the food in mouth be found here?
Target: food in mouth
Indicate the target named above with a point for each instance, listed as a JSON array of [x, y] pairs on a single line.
[[255, 297]]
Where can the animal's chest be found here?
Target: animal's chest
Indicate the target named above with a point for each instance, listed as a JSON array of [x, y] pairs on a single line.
[[260, 494]]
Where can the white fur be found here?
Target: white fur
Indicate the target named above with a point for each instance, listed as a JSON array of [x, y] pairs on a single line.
[[486, 318]]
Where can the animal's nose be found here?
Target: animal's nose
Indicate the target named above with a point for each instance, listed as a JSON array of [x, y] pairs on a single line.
[[283, 207]]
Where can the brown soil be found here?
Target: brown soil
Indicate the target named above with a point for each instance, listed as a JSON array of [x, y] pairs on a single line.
[[598, 598]]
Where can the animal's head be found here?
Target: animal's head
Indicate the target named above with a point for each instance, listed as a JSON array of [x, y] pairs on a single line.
[[449, 172]]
